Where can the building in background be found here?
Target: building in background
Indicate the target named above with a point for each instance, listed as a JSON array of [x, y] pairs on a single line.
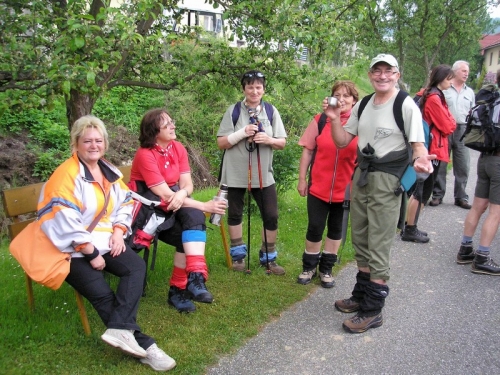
[[490, 49]]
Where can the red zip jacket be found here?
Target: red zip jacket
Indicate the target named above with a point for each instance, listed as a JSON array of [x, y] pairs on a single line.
[[441, 121], [332, 168]]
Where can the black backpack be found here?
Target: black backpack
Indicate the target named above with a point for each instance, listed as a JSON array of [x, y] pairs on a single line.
[[482, 131], [148, 221]]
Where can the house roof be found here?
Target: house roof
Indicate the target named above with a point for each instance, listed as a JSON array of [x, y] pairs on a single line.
[[489, 41]]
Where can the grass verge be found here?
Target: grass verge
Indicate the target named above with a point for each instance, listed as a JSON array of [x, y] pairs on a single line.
[[51, 340]]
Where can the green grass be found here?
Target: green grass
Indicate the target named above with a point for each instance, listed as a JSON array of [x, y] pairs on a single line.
[[51, 340]]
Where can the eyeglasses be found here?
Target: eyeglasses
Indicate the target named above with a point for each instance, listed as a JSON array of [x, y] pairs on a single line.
[[257, 74], [168, 124], [388, 73]]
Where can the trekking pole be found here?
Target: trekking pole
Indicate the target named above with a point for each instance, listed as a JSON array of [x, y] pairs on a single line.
[[268, 271], [346, 205], [248, 204]]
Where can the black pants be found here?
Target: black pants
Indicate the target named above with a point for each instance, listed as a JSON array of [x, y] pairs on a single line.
[[118, 309], [266, 199], [317, 213]]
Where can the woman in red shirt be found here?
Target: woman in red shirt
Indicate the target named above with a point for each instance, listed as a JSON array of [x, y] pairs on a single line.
[[161, 165], [331, 170], [441, 123]]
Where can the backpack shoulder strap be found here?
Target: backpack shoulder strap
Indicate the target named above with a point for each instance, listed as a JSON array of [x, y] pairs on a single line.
[[397, 109], [321, 123], [236, 113], [363, 104], [269, 111]]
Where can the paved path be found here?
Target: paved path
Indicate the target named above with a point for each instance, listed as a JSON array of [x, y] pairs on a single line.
[[439, 317]]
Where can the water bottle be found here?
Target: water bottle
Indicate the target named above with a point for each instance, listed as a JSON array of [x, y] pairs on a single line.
[[222, 194]]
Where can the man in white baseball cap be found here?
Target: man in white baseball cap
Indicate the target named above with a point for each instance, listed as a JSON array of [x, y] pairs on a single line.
[[382, 158], [383, 57]]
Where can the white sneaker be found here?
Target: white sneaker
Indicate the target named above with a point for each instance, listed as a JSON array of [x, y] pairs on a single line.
[[124, 340], [158, 359]]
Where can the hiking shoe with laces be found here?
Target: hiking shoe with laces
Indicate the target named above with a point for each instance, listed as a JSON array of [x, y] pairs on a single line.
[[346, 305], [124, 340], [326, 280], [239, 265], [483, 264], [412, 234], [158, 359], [178, 298], [360, 324], [306, 276], [197, 289], [274, 268], [465, 254]]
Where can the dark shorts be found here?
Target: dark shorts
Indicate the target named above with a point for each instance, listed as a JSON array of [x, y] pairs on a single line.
[[488, 178]]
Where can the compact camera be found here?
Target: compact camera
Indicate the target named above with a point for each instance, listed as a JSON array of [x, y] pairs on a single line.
[[333, 102]]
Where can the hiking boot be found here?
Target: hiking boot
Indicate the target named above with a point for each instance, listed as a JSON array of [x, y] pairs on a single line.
[[435, 202], [360, 324], [326, 280], [158, 359], [197, 289], [462, 203], [421, 232], [124, 340], [347, 305], [485, 265], [465, 254], [178, 298], [239, 265], [306, 277], [274, 268], [412, 234]]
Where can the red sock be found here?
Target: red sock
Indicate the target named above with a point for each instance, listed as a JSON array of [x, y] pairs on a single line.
[[179, 278], [197, 263]]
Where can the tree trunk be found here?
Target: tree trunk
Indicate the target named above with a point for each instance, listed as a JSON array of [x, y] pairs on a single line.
[[78, 105]]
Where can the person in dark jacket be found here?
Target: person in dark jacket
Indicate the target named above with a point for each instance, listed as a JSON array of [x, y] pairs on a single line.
[[441, 123], [331, 170]]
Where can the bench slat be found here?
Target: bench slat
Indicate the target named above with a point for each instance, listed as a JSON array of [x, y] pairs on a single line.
[[21, 200]]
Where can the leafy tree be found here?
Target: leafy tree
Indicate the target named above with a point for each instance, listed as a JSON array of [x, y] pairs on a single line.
[[425, 33]]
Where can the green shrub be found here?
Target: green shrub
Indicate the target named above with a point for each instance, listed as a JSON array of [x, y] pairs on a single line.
[[48, 161]]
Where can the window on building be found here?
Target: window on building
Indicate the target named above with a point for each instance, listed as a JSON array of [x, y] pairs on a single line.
[[491, 58]]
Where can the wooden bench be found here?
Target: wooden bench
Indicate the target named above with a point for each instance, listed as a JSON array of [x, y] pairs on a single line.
[[21, 202]]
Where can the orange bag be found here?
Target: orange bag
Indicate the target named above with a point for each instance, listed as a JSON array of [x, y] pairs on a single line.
[[39, 258]]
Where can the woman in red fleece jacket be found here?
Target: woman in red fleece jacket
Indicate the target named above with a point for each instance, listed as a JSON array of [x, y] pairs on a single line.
[[442, 123], [330, 172]]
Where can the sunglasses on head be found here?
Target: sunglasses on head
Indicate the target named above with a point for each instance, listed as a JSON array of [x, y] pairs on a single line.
[[250, 75]]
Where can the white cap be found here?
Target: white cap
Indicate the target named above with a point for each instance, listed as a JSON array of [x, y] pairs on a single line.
[[383, 57]]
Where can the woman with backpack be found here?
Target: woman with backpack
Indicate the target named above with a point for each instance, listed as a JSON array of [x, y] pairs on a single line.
[[161, 166], [330, 171], [441, 123]]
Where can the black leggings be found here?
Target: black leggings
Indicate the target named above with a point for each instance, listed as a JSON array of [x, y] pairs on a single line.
[[268, 210], [317, 213], [423, 191]]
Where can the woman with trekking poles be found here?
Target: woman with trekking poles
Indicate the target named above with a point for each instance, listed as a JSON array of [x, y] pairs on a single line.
[[161, 166], [441, 122], [87, 192], [330, 171], [249, 133]]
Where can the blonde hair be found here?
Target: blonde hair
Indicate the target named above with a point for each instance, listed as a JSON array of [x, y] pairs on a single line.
[[84, 123]]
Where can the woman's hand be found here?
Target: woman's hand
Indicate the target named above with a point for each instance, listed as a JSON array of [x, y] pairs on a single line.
[[116, 243], [216, 207], [302, 188], [98, 263], [177, 200]]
